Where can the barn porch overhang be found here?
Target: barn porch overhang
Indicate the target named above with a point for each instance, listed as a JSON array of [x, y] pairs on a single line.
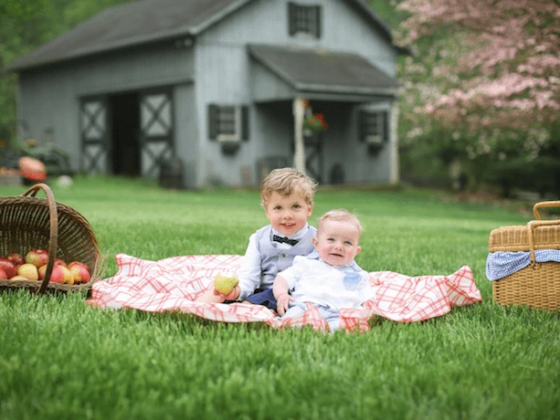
[[286, 73]]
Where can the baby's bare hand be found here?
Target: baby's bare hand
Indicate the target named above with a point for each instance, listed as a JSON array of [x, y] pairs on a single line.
[[283, 303]]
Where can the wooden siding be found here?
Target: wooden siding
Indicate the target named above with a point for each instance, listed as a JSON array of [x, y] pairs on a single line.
[[186, 142], [266, 22], [267, 86], [49, 98]]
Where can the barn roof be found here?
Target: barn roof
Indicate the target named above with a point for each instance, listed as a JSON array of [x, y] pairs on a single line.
[[131, 24], [325, 72], [143, 21]]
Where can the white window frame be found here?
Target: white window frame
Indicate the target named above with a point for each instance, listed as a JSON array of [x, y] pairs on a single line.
[[376, 127], [237, 123], [306, 20]]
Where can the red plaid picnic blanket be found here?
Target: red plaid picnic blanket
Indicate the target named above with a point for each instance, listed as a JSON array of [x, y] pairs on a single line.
[[173, 284]]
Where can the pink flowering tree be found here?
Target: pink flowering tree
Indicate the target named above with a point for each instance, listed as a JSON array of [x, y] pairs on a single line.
[[484, 84]]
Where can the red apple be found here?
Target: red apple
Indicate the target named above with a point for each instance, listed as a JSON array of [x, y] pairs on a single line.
[[80, 273], [3, 275], [58, 261], [37, 257], [16, 258], [41, 271], [29, 271], [8, 267], [57, 275], [68, 277], [73, 263]]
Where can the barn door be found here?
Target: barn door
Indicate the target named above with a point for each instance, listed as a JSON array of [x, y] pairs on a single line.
[[94, 133], [156, 130]]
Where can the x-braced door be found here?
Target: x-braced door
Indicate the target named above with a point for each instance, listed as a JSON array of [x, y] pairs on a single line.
[[156, 130], [94, 133]]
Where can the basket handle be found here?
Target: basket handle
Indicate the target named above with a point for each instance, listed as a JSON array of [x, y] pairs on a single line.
[[531, 226], [544, 205], [53, 243]]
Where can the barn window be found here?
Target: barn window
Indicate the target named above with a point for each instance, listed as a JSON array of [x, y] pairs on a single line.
[[374, 127], [304, 19], [374, 130], [228, 124]]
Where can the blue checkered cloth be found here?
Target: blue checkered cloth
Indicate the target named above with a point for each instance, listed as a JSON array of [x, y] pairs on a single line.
[[502, 264]]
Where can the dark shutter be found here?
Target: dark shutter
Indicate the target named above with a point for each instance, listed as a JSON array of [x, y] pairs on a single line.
[[291, 18], [213, 121], [318, 21], [385, 117], [245, 122], [362, 125]]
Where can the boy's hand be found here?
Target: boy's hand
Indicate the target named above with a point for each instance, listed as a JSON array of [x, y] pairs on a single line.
[[283, 303], [211, 296], [233, 295]]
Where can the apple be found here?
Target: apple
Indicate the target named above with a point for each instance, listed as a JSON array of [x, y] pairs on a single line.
[[68, 277], [41, 271], [58, 261], [15, 258], [73, 263], [57, 275], [19, 278], [29, 271], [8, 267], [37, 257], [80, 273], [3, 275]]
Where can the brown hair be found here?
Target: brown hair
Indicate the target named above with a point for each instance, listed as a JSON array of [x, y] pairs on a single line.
[[285, 181], [341, 215]]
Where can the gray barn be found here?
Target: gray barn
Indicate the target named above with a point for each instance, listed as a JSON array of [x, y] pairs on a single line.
[[218, 84]]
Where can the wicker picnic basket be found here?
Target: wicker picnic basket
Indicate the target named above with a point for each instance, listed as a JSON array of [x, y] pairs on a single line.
[[537, 285], [28, 222]]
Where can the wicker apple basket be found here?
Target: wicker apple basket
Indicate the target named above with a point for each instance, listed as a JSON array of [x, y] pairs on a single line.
[[28, 222], [537, 285]]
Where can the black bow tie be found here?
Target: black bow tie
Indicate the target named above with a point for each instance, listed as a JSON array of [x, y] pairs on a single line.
[[284, 240]]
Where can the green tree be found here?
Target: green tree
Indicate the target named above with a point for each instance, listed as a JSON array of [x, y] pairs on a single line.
[[24, 26]]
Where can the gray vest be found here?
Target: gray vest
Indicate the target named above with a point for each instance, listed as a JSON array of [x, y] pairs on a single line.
[[275, 260]]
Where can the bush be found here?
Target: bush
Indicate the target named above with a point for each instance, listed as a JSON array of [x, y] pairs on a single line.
[[541, 175]]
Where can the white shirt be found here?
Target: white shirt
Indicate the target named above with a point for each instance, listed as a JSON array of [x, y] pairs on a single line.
[[315, 281], [250, 272]]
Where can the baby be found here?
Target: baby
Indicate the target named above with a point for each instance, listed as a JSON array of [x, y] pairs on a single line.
[[333, 281]]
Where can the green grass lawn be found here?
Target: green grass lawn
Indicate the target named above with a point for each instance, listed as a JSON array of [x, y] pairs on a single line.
[[60, 359]]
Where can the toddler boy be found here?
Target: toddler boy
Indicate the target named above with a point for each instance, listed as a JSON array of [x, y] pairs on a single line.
[[287, 200]]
